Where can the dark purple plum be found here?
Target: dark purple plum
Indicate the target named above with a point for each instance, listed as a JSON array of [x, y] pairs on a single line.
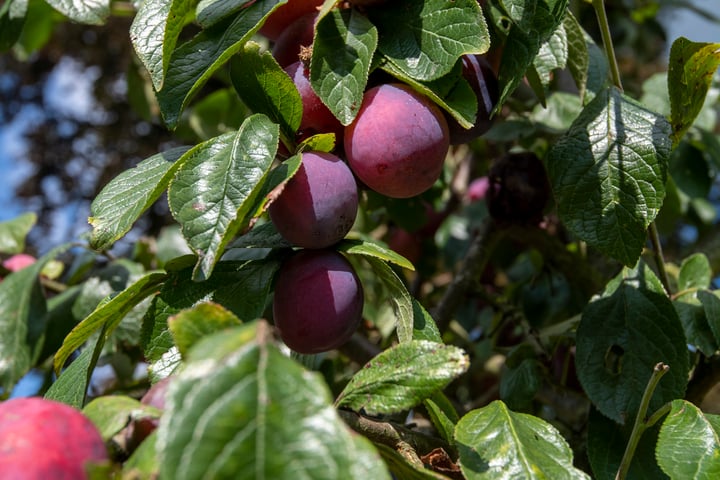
[[297, 35], [281, 18], [318, 205], [397, 143], [318, 301], [518, 189], [481, 77], [316, 117]]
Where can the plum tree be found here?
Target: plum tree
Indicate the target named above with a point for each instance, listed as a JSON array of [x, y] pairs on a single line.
[[318, 301], [281, 18], [316, 117], [519, 188], [481, 77], [318, 206], [42, 439], [293, 39], [397, 143]]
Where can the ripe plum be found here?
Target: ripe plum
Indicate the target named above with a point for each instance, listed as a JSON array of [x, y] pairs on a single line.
[[397, 143], [297, 35], [318, 206], [281, 18], [42, 439], [318, 301], [316, 117], [479, 74]]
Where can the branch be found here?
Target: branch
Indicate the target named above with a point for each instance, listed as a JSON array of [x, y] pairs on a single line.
[[470, 270], [409, 443]]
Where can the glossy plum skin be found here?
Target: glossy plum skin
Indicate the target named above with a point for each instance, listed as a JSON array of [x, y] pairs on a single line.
[[43, 439], [318, 301], [481, 77], [297, 35], [397, 143], [316, 117], [281, 18], [318, 205]]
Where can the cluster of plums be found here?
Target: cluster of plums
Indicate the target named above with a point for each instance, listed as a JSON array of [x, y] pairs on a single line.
[[396, 146]]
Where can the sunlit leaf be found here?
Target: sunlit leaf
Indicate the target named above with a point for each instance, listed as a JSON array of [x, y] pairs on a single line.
[[214, 191], [608, 173], [496, 443], [403, 376], [241, 409]]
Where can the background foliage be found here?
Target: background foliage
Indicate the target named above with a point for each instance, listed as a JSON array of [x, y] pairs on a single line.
[[491, 347]]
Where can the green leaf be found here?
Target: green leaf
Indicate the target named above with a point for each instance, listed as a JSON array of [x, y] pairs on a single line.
[[519, 385], [532, 24], [12, 20], [261, 236], [608, 173], [210, 12], [265, 88], [451, 92], [375, 250], [191, 325], [606, 445], [692, 315], [578, 56], [154, 33], [688, 445], [553, 54], [108, 314], [241, 409], [22, 320], [121, 202], [695, 272], [443, 415], [711, 305], [321, 142], [496, 443], [143, 461], [112, 413], [72, 385], [425, 39], [91, 12], [691, 69], [214, 190], [342, 52], [399, 297], [192, 63], [424, 326], [13, 233], [621, 337], [403, 376]]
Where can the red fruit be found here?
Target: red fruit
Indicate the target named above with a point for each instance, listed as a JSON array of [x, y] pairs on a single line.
[[281, 18], [18, 262], [316, 117], [155, 396], [398, 141], [479, 74], [297, 35], [477, 190], [318, 301], [43, 439], [318, 205]]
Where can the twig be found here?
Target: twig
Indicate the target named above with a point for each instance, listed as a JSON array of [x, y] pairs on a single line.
[[640, 423], [471, 268], [397, 437]]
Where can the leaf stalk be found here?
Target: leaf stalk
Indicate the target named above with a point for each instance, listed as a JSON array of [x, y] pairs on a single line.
[[641, 424]]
